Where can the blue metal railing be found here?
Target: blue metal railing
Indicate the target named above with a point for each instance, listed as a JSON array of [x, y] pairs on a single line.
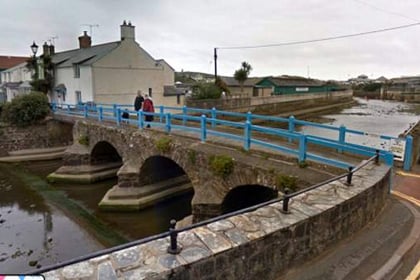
[[205, 121]]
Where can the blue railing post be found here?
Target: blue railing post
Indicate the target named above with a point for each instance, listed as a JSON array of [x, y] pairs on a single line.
[[118, 117], [184, 115], [249, 117], [389, 158], [341, 136], [168, 122], [85, 111], [100, 113], [161, 110], [291, 126], [408, 152], [302, 148], [213, 116], [247, 135], [68, 109], [140, 119], [203, 128], [114, 109]]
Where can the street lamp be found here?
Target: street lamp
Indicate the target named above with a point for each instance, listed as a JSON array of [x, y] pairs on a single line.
[[34, 48]]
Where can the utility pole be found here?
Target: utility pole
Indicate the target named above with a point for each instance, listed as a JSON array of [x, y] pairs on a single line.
[[215, 65], [90, 27]]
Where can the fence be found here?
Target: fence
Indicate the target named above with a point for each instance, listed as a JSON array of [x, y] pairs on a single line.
[[205, 121]]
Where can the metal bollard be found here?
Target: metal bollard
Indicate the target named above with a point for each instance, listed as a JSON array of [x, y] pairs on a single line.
[[173, 233], [349, 175], [377, 157], [286, 201]]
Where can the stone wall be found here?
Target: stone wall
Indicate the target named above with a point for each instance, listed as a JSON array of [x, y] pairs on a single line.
[[260, 244], [273, 104], [46, 135]]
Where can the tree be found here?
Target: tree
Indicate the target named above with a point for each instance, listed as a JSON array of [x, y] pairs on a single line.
[[41, 85], [241, 75]]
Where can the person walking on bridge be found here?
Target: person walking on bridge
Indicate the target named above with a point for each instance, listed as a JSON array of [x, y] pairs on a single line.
[[148, 108], [138, 102]]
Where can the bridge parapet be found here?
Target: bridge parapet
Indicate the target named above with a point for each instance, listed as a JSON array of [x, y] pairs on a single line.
[[261, 243]]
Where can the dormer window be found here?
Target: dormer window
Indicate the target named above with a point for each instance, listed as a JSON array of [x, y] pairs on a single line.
[[76, 70]]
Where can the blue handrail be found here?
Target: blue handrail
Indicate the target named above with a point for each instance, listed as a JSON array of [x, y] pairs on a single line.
[[204, 121]]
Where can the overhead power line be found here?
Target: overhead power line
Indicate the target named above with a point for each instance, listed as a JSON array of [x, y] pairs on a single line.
[[385, 11], [320, 39]]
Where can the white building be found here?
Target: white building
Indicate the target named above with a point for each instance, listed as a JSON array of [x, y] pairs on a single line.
[[16, 81], [112, 73]]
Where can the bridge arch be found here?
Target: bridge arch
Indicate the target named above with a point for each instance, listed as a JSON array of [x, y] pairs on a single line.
[[245, 196], [103, 152]]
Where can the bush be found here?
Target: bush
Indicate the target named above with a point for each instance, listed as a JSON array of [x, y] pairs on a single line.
[[221, 165], [206, 91], [25, 110]]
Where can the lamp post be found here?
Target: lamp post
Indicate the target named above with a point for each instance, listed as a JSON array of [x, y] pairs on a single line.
[[34, 48]]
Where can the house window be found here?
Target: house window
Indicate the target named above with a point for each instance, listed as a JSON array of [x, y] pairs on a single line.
[[150, 92], [76, 70], [78, 96], [178, 99]]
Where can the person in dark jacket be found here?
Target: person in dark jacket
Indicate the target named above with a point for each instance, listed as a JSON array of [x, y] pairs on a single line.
[[138, 102], [148, 108]]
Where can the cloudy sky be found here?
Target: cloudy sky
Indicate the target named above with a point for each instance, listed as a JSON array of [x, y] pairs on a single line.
[[185, 32]]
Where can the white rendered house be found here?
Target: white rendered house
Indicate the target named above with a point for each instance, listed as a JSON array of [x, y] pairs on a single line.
[[112, 73]]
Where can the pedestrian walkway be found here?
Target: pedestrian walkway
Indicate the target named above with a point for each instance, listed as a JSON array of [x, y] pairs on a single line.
[[387, 248]]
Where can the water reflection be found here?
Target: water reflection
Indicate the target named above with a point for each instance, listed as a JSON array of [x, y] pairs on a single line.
[[34, 233]]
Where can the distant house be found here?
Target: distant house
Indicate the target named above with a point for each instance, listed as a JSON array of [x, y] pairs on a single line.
[[111, 73], [292, 84], [16, 81], [248, 89], [408, 84], [7, 62]]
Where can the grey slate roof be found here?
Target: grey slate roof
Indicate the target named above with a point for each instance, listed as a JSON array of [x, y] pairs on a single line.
[[84, 56], [250, 82], [294, 81]]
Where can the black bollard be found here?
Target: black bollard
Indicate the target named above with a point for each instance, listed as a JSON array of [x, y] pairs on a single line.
[[286, 201], [377, 157], [173, 233], [349, 175]]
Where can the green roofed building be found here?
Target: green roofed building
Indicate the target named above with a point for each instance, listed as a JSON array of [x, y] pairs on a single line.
[[294, 85]]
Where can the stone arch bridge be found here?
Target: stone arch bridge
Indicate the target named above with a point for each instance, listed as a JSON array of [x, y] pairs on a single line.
[[151, 165]]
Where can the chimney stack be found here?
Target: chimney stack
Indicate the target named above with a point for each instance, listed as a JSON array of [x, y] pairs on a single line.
[[85, 41], [45, 49], [52, 49], [127, 31]]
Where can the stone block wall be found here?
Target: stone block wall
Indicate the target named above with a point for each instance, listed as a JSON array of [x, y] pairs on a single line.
[[46, 135], [273, 104], [259, 244]]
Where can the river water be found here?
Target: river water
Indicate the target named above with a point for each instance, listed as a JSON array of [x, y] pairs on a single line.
[[375, 118], [41, 224]]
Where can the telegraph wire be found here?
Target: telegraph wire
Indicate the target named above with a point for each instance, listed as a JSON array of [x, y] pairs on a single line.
[[320, 39], [385, 11]]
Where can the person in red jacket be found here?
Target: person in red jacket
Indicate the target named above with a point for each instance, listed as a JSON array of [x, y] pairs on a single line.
[[148, 108]]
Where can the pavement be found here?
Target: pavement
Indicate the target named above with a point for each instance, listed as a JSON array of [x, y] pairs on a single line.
[[387, 248]]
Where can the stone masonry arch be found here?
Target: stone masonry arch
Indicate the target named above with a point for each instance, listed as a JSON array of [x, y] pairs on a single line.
[[136, 146]]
